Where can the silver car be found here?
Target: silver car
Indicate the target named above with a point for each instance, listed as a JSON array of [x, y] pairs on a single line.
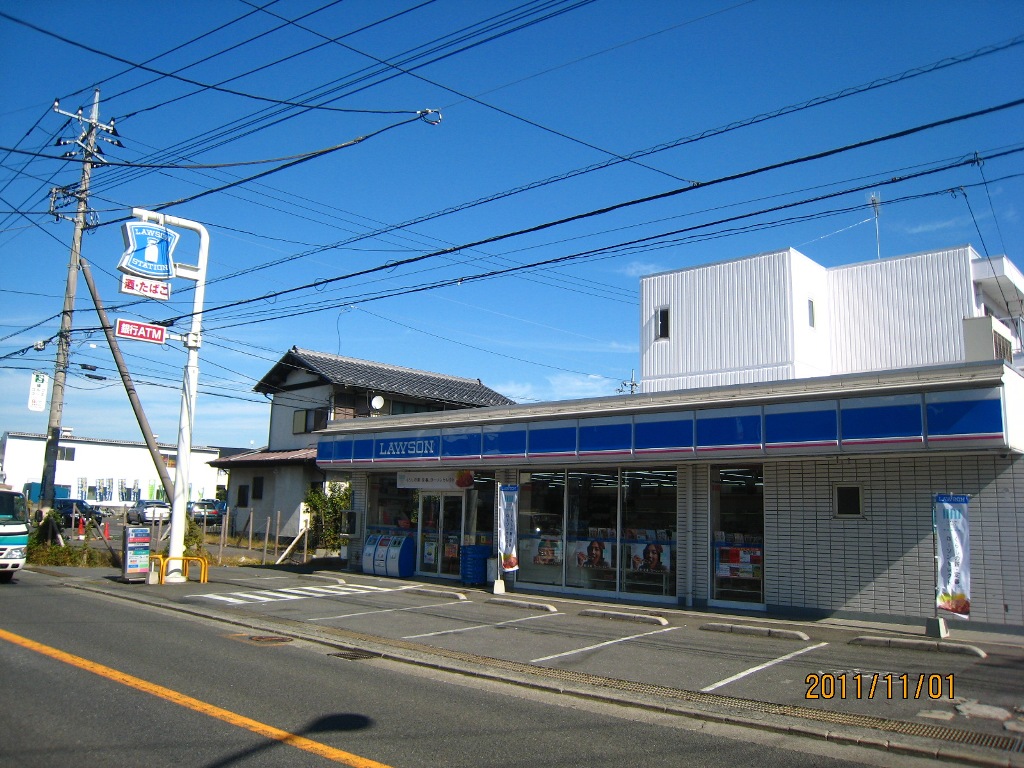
[[149, 511]]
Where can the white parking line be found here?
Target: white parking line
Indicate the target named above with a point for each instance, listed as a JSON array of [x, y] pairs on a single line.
[[445, 604], [759, 667], [292, 593], [480, 626], [600, 645]]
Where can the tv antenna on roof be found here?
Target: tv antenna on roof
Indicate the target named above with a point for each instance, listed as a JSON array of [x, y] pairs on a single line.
[[876, 204]]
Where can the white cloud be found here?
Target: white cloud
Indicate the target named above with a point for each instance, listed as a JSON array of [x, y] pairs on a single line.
[[637, 269], [561, 386]]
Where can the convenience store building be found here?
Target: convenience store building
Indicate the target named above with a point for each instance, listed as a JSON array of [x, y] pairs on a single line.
[[803, 492]]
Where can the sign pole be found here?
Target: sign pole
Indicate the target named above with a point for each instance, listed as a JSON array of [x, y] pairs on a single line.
[[935, 626], [189, 387]]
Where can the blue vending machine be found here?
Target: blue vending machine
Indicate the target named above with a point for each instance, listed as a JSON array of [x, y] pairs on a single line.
[[401, 560], [380, 556], [369, 550]]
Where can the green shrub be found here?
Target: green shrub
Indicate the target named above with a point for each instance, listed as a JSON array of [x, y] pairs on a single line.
[[329, 514], [42, 553]]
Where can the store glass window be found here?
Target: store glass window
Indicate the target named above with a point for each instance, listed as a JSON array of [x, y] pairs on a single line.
[[592, 528], [390, 509], [480, 505], [541, 527], [737, 525], [648, 542]]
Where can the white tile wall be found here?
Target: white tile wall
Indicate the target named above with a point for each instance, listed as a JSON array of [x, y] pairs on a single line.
[[883, 563]]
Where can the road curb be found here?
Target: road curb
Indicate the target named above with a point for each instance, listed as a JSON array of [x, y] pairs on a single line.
[[438, 593], [640, 618], [919, 645], [746, 629], [322, 575], [523, 604]]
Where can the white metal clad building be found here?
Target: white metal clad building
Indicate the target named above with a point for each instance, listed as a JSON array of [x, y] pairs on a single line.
[[780, 315], [105, 470]]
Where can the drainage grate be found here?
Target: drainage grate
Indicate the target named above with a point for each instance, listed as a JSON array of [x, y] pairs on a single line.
[[354, 655]]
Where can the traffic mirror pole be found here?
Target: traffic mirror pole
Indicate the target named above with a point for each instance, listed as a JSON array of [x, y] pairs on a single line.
[[189, 387]]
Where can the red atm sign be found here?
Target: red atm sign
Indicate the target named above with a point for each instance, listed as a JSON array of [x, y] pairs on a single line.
[[130, 329]]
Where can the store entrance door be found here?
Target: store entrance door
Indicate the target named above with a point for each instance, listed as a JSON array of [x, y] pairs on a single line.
[[441, 520]]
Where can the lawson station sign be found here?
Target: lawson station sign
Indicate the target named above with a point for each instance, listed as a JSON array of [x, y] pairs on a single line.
[[146, 265]]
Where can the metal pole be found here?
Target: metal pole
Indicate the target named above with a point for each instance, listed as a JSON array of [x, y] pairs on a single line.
[[223, 534], [277, 533], [60, 372], [189, 386]]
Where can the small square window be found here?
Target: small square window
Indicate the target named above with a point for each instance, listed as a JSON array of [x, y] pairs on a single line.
[[848, 501]]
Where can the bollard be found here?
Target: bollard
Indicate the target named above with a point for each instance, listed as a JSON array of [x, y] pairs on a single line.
[[277, 534]]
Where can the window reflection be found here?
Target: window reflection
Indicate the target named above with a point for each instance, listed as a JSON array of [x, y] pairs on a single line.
[[599, 529]]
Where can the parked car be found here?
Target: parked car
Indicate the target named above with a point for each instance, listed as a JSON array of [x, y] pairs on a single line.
[[149, 511], [66, 509], [205, 511]]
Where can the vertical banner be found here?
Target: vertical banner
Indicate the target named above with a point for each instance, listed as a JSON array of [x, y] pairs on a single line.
[[954, 554], [508, 519]]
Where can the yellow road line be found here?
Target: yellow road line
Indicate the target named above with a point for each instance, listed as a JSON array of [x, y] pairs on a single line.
[[300, 742]]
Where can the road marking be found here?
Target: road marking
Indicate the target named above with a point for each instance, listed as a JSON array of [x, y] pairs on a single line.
[[600, 645], [291, 593], [480, 626], [445, 604], [225, 715], [759, 667]]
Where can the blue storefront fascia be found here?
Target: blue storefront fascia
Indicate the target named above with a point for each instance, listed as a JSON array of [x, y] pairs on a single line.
[[944, 419]]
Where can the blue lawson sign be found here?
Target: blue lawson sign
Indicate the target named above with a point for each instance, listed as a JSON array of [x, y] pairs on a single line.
[[148, 250]]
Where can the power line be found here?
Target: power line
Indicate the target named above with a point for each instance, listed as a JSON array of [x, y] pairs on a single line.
[[205, 86], [765, 116], [629, 203]]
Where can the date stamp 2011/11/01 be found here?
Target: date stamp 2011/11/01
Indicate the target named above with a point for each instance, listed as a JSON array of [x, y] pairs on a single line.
[[825, 685]]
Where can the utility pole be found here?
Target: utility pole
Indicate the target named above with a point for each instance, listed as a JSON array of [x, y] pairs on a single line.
[[87, 143]]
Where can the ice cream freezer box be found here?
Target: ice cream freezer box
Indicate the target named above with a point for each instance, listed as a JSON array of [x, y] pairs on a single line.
[[389, 555]]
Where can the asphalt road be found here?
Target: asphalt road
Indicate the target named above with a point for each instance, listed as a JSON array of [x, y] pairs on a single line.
[[94, 680]]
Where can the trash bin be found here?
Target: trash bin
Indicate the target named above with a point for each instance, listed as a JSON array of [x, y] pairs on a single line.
[[473, 559]]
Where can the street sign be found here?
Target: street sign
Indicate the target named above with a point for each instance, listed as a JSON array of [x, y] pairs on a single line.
[[130, 329], [140, 286], [37, 391]]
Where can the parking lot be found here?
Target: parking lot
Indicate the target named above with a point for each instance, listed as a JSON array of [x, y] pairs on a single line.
[[821, 665]]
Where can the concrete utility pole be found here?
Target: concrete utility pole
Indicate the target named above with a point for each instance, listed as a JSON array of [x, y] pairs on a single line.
[[129, 385], [87, 143]]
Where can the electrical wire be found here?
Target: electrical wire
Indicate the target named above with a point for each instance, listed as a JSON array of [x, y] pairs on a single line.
[[189, 81]]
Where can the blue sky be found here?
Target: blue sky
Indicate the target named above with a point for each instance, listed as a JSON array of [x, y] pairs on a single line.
[[608, 101]]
